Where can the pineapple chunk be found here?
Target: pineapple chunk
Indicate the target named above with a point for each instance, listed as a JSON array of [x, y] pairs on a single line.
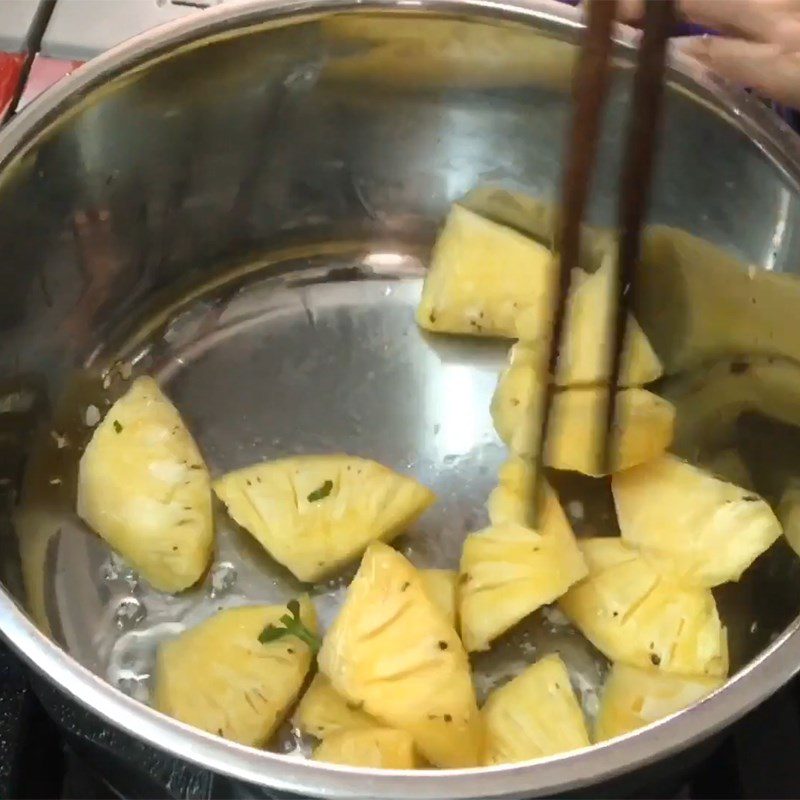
[[690, 525], [509, 570], [789, 515], [535, 715], [442, 587], [632, 614], [633, 698], [314, 514], [391, 650], [323, 711], [221, 679], [578, 419], [377, 748], [483, 276], [143, 486], [585, 354]]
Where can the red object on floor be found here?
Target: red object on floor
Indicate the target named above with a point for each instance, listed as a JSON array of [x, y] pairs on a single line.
[[10, 72], [44, 73]]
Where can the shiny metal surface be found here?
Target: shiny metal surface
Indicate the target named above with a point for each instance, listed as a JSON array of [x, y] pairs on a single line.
[[242, 203]]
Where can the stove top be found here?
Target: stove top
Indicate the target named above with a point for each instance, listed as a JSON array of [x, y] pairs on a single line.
[[40, 758]]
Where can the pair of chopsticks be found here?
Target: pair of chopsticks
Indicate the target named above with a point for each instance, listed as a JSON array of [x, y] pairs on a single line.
[[590, 92]]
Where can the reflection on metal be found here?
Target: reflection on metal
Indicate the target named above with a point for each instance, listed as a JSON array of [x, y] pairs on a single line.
[[260, 197]]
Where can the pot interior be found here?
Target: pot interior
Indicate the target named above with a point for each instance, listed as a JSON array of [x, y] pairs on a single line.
[[248, 217]]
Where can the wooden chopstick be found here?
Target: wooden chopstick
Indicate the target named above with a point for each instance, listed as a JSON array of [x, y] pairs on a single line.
[[589, 93], [635, 182]]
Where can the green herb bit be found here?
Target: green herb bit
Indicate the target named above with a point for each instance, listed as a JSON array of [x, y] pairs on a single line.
[[321, 493], [290, 625], [117, 426]]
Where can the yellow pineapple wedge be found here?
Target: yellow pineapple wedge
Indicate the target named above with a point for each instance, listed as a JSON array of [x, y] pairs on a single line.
[[690, 525], [643, 428], [509, 570], [220, 678], [391, 651], [314, 514], [534, 715], [585, 353], [323, 711], [442, 587], [482, 277], [377, 748], [632, 614], [634, 697], [143, 486]]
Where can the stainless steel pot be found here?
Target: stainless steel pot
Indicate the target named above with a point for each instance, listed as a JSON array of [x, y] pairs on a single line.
[[199, 150]]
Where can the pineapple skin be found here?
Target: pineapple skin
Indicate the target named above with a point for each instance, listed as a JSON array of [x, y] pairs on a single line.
[[585, 354], [442, 588], [218, 677], [144, 488], [534, 715], [392, 650], [323, 711], [313, 538], [633, 697], [690, 525], [375, 748], [643, 428], [632, 614], [482, 277], [508, 570]]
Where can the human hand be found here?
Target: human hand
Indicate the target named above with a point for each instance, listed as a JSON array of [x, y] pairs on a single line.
[[758, 46]]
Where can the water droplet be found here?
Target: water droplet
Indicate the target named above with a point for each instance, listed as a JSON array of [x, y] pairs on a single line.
[[129, 612], [92, 416], [115, 569], [223, 578]]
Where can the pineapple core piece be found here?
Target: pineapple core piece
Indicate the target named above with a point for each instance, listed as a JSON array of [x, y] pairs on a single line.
[[632, 614], [442, 587], [690, 525], [509, 570], [143, 486], [314, 514], [220, 678], [483, 276], [323, 711], [534, 715], [634, 697], [643, 428], [378, 748], [585, 353], [392, 652]]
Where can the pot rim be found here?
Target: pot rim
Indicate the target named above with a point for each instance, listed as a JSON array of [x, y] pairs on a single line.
[[758, 679]]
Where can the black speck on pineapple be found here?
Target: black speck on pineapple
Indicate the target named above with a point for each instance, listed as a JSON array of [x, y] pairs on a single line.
[[514, 402], [655, 659], [739, 367], [443, 645], [447, 718], [750, 498], [465, 578], [432, 316], [117, 426], [405, 586]]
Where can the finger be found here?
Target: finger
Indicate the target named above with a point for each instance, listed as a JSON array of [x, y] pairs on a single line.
[[761, 20], [769, 21], [766, 68]]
